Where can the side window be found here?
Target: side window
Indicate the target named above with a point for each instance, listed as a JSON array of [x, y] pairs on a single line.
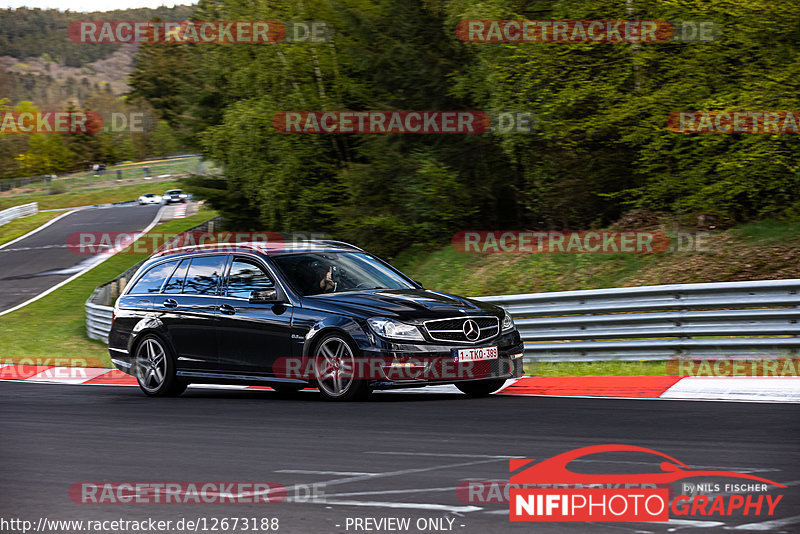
[[247, 276], [175, 282], [151, 281], [203, 275]]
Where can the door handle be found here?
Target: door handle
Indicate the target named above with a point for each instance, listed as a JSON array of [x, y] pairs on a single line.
[[170, 303], [227, 309]]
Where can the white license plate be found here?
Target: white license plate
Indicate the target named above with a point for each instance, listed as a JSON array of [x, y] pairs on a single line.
[[475, 355]]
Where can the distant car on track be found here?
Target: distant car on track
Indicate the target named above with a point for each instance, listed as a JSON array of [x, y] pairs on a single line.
[[175, 195], [149, 198], [317, 313]]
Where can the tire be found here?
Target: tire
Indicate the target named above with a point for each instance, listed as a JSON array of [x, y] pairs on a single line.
[[154, 368], [334, 369], [480, 388]]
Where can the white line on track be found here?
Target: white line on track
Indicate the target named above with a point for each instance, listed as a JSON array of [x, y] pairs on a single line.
[[407, 505], [310, 472], [443, 454], [768, 525], [100, 258], [38, 228], [391, 492], [749, 400]]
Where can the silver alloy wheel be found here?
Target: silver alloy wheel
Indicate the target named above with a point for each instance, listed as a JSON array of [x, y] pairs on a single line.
[[334, 366], [151, 365]]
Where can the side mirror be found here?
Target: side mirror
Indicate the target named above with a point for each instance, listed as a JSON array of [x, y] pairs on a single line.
[[265, 296], [419, 283]]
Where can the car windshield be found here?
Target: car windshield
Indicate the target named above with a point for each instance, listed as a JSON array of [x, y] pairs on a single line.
[[314, 273], [174, 192]]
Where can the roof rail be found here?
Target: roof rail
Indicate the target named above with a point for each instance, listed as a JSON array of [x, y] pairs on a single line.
[[338, 243], [166, 249]]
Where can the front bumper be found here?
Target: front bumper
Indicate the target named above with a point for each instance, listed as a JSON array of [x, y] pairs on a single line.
[[393, 364]]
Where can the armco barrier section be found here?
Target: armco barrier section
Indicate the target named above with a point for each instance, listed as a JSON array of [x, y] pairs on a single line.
[[98, 320], [16, 212], [730, 319]]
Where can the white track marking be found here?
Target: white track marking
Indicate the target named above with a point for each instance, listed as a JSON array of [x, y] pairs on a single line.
[[99, 258], [688, 523], [662, 398], [406, 505], [768, 525], [442, 454], [67, 375], [38, 228], [748, 388], [309, 472], [391, 492]]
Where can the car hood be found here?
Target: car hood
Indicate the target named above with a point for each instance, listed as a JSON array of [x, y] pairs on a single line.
[[409, 305]]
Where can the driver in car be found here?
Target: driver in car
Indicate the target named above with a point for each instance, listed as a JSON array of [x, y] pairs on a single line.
[[326, 283]]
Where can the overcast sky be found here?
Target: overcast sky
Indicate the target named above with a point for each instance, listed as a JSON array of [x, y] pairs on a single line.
[[91, 5]]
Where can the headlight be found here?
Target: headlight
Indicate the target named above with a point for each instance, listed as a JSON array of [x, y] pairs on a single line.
[[508, 322], [392, 329]]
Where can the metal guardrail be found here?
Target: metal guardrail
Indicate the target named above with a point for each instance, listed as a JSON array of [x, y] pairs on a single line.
[[733, 319], [16, 212], [98, 320]]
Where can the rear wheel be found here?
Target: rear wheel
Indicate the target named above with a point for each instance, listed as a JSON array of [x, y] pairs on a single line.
[[335, 370], [480, 388], [154, 369]]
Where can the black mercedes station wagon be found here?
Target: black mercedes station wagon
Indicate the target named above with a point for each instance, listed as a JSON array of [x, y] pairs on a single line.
[[321, 314]]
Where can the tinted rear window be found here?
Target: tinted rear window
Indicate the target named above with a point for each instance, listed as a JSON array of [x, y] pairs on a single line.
[[175, 282], [153, 279], [203, 275]]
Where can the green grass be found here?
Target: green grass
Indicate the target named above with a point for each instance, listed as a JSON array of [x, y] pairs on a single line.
[[20, 227], [87, 197], [52, 330], [763, 250], [451, 271], [769, 231], [609, 368], [131, 172]]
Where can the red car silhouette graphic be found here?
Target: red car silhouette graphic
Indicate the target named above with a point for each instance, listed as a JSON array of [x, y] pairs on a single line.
[[554, 470]]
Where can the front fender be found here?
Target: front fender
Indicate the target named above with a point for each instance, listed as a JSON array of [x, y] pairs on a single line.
[[339, 324]]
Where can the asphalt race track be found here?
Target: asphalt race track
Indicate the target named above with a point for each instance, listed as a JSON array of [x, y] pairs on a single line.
[[42, 260], [398, 455]]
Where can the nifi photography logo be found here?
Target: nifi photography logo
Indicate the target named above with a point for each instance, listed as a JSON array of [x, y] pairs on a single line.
[[549, 491]]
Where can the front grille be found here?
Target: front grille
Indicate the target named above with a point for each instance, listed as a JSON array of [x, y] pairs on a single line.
[[453, 329]]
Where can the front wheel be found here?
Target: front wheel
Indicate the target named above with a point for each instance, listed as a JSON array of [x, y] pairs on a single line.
[[480, 388], [335, 370], [154, 368]]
